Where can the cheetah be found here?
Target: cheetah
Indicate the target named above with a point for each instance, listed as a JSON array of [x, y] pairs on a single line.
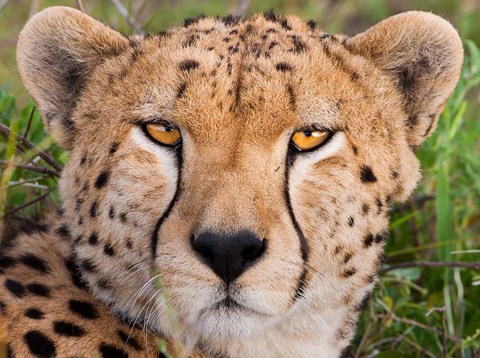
[[228, 186]]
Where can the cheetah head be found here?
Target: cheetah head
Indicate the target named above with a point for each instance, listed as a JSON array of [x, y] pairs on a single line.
[[230, 180]]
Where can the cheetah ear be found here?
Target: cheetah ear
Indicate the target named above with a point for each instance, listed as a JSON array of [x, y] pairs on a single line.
[[424, 54], [57, 50]]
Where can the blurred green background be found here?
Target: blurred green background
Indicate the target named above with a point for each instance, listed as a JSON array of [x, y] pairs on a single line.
[[415, 311]]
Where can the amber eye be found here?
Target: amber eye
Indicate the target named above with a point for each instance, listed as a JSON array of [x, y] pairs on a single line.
[[164, 133], [306, 140]]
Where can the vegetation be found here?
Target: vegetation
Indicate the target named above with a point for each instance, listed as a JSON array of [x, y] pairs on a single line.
[[427, 301]]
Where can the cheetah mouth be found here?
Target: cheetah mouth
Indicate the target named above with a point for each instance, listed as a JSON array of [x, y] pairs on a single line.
[[230, 305]]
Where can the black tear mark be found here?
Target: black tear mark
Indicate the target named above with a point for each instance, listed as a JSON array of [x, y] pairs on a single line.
[[188, 65], [367, 175], [161, 220]]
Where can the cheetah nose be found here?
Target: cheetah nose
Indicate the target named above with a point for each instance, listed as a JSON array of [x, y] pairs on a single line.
[[228, 255]]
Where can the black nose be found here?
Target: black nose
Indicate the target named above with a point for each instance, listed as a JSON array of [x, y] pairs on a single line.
[[229, 255]]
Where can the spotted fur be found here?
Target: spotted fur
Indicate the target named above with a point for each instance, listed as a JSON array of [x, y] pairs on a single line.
[[121, 266]]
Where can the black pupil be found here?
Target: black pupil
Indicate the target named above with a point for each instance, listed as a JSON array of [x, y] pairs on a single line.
[[168, 129], [307, 133]]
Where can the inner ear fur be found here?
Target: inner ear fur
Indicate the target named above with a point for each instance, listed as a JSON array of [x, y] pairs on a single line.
[[57, 50], [423, 53]]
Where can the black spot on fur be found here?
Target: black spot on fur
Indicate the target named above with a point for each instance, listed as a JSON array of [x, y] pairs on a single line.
[[109, 351], [38, 289], [83, 160], [15, 287], [346, 353], [63, 231], [285, 24], [191, 40], [35, 263], [30, 227], [355, 149], [111, 213], [132, 342], [192, 20], [87, 265], [108, 250], [283, 67], [381, 237], [68, 329], [379, 203], [298, 45], [365, 209], [366, 174], [363, 303], [6, 262], [368, 240], [347, 257], [93, 209], [128, 244], [181, 90], [74, 273], [123, 217], [104, 283], [395, 174], [102, 179], [39, 344], [34, 313], [188, 65], [230, 20], [311, 24], [291, 96], [349, 272], [93, 239], [351, 221], [114, 148], [83, 309]]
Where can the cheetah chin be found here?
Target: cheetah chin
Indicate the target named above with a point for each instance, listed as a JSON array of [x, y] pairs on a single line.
[[228, 186]]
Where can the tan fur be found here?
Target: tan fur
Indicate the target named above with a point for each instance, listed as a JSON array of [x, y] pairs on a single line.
[[237, 91]]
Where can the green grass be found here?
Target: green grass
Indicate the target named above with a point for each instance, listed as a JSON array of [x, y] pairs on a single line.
[[414, 311]]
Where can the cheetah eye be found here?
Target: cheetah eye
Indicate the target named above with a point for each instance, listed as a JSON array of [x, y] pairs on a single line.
[[309, 139], [163, 133]]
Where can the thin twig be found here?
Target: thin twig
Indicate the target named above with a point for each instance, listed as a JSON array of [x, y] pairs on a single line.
[[28, 125], [31, 202], [130, 19], [80, 5], [471, 265], [31, 167], [242, 7], [5, 131]]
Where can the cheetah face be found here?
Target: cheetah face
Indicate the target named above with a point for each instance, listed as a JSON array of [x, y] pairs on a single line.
[[229, 178]]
